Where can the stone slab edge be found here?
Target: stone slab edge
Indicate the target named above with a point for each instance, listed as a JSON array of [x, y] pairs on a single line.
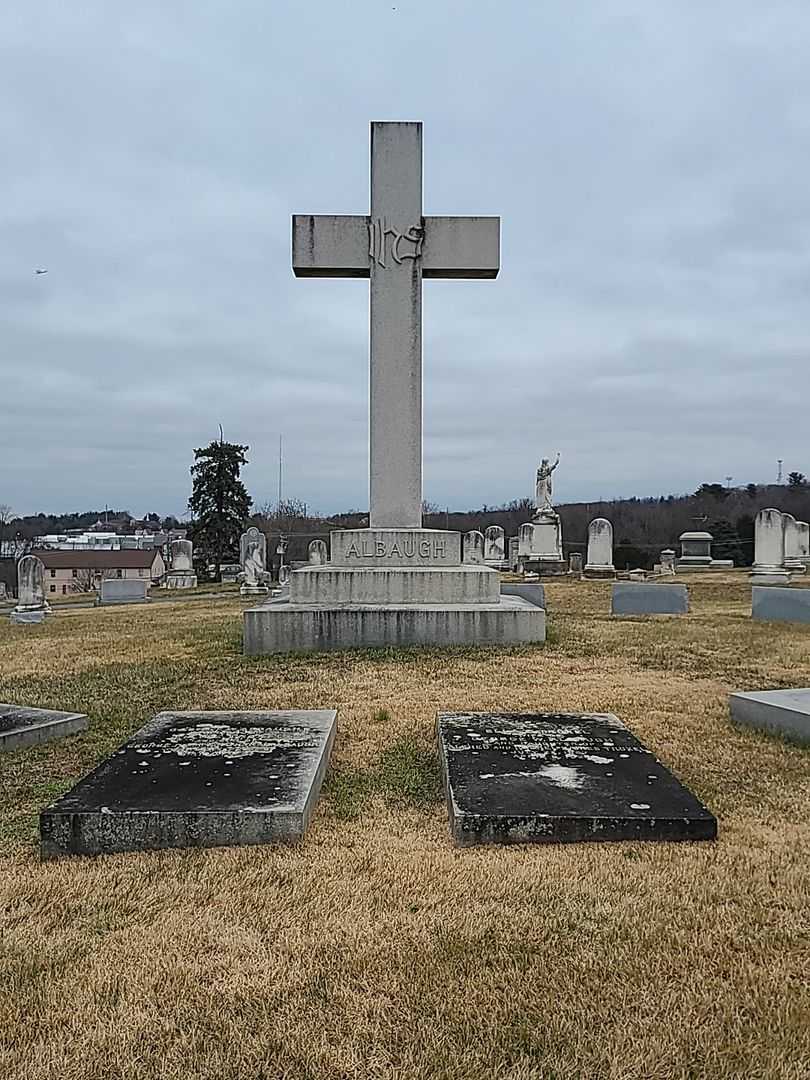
[[34, 734], [770, 717]]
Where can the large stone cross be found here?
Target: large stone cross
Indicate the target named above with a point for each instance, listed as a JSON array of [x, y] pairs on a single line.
[[396, 247]]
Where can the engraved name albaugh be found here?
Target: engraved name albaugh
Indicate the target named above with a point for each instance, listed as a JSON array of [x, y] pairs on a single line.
[[399, 549]]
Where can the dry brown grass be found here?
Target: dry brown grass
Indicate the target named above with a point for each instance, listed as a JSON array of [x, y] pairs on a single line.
[[376, 949]]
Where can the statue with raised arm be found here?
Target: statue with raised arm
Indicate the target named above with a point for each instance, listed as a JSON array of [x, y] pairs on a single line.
[[543, 487]]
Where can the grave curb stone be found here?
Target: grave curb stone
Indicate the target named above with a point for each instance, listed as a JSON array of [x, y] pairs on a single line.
[[44, 725]]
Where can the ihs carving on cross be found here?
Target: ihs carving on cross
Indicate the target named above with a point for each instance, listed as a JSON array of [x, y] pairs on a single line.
[[378, 231]]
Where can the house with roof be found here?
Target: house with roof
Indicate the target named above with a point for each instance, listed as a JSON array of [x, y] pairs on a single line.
[[82, 570]]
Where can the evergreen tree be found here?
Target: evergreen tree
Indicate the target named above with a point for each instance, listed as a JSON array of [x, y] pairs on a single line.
[[726, 541], [219, 505]]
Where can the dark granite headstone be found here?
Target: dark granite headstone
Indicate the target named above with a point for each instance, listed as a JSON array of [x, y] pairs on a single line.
[[20, 726], [553, 777], [198, 779]]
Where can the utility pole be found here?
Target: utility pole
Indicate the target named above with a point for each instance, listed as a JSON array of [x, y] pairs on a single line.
[[279, 475], [779, 471], [728, 481]]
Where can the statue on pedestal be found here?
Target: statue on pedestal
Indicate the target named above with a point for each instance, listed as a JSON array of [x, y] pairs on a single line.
[[543, 487]]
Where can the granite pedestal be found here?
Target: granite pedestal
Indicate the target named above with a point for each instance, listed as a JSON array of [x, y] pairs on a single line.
[[392, 587], [198, 779], [783, 712], [638, 598], [21, 726], [559, 777], [773, 604]]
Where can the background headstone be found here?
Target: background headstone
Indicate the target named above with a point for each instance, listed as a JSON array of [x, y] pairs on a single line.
[[318, 553], [494, 546], [793, 545], [696, 549], [180, 574], [575, 562], [599, 563], [769, 549], [32, 607], [473, 547], [253, 559]]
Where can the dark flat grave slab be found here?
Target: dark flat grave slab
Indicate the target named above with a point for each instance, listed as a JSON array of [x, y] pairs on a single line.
[[557, 777], [773, 604], [21, 726], [641, 598], [784, 712], [198, 779]]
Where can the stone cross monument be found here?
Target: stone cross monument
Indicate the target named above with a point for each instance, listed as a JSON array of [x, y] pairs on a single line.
[[394, 583], [395, 247]]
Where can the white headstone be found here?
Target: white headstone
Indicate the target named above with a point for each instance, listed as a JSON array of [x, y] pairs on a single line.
[[473, 547], [769, 549], [253, 559], [31, 603], [804, 541], [181, 554], [600, 549], [793, 544], [494, 547], [317, 553], [253, 548]]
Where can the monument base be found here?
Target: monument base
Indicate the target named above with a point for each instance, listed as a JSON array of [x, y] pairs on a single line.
[[284, 626], [769, 575], [606, 573], [24, 615], [684, 566], [180, 579], [254, 590]]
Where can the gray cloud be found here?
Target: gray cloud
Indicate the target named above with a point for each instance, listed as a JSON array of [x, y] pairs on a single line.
[[649, 320]]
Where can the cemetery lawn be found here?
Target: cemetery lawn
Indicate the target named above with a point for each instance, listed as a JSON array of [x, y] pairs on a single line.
[[375, 948]]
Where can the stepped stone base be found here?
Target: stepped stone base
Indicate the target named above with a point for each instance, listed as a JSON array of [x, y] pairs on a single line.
[[180, 579], [599, 572], [336, 586], [283, 626]]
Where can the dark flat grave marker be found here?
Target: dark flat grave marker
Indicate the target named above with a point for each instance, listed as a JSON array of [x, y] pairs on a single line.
[[648, 598], [770, 603], [783, 712], [557, 777], [21, 726], [198, 779]]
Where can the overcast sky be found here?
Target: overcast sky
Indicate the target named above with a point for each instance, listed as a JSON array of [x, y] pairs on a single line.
[[649, 162]]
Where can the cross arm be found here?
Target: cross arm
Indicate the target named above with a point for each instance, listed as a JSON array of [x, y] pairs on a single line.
[[461, 247], [330, 245]]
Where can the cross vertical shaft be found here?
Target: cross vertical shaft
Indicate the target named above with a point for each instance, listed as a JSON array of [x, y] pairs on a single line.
[[395, 390]]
